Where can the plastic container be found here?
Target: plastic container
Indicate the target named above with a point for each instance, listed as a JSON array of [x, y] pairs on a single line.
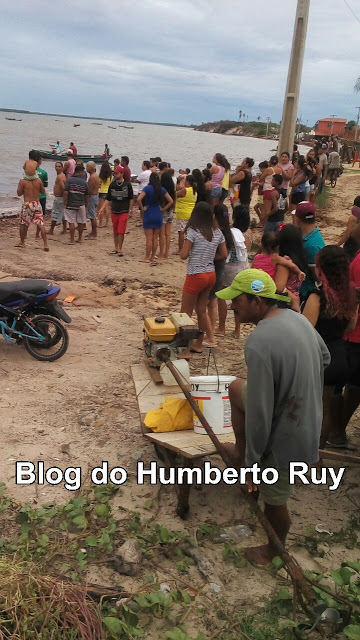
[[211, 394], [183, 368]]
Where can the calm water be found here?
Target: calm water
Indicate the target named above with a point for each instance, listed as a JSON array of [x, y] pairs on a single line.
[[181, 147]]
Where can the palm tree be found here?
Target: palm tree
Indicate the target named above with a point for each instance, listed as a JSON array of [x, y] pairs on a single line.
[[357, 85], [240, 115], [258, 118]]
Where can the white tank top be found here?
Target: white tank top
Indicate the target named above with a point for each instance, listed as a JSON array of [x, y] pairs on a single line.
[[267, 182]]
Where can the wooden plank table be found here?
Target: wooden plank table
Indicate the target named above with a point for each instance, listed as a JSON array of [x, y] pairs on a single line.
[[190, 446]]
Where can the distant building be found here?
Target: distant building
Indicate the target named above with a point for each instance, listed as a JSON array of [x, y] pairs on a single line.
[[327, 126]]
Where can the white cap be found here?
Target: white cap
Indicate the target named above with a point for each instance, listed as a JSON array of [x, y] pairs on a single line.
[[70, 151]]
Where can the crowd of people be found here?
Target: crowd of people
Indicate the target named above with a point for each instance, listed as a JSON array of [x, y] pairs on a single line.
[[303, 385]]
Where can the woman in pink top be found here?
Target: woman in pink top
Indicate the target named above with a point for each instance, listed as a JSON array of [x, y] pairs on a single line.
[[217, 172]]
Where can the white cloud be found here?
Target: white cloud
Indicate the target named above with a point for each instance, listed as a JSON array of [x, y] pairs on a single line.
[[203, 59]]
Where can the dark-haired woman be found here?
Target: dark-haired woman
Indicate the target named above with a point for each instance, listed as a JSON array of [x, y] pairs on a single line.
[[315, 170], [154, 196], [203, 240], [291, 248], [221, 214], [298, 182], [238, 247], [352, 221], [207, 183], [185, 203], [332, 310], [217, 171], [203, 194], [106, 177]]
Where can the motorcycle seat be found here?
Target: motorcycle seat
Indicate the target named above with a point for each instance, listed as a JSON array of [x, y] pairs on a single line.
[[14, 288]]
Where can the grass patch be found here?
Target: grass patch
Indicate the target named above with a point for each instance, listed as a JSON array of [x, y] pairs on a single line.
[[45, 553]]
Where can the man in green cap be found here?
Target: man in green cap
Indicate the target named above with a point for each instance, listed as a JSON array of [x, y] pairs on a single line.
[[277, 412]]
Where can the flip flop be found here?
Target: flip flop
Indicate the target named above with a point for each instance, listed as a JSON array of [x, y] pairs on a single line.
[[46, 249], [113, 253], [194, 351], [341, 445], [120, 254], [19, 246], [209, 346]]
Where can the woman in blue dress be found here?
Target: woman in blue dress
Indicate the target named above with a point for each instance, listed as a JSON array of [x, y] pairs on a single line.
[[156, 200]]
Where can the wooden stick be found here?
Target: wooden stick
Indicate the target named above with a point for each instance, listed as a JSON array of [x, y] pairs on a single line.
[[338, 455], [294, 569]]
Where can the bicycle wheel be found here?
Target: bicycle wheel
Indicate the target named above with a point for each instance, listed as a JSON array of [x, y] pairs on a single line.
[[56, 339]]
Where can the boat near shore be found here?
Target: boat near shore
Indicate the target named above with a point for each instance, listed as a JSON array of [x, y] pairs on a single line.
[[48, 155], [15, 119]]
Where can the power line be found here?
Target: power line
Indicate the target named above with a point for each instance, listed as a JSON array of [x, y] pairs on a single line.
[[352, 11]]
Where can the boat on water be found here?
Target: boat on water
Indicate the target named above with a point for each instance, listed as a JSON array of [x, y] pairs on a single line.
[[76, 125], [111, 127], [15, 119], [122, 126], [49, 155]]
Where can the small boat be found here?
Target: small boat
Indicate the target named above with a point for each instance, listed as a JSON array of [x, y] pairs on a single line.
[[111, 127], [76, 125], [99, 124], [15, 119], [124, 127], [59, 120], [48, 155]]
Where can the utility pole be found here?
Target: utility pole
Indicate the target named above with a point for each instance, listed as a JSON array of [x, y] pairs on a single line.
[[357, 124], [332, 123], [267, 125], [291, 100]]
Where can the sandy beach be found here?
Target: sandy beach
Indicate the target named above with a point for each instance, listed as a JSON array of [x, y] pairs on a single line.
[[86, 399]]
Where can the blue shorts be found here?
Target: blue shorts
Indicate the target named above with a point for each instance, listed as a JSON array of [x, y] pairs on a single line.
[[216, 192], [271, 226], [91, 208]]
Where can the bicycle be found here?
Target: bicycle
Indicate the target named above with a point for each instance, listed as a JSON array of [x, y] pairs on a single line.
[[40, 334], [333, 176]]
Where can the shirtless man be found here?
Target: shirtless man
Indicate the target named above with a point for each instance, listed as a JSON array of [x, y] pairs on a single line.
[[31, 210], [57, 213], [93, 186]]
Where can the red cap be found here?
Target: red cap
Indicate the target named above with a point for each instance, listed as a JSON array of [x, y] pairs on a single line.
[[119, 170], [305, 211]]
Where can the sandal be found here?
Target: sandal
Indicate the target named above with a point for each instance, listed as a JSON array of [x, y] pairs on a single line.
[[339, 445], [113, 253]]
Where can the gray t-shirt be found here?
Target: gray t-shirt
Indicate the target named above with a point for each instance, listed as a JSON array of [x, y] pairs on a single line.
[[202, 253], [334, 160], [285, 358]]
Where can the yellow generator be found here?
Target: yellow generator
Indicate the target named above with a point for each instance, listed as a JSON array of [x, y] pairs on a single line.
[[168, 337]]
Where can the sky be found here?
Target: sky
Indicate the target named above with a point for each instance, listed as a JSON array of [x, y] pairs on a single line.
[[181, 61]]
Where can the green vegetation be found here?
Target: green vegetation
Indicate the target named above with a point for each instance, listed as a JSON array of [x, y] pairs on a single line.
[[253, 128], [45, 554]]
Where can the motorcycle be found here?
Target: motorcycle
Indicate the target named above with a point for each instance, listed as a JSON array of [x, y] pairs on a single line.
[[30, 314]]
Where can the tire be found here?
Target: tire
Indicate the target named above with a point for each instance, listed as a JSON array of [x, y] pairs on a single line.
[[43, 325]]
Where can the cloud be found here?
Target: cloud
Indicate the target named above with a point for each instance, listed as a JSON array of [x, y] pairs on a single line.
[[187, 61]]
